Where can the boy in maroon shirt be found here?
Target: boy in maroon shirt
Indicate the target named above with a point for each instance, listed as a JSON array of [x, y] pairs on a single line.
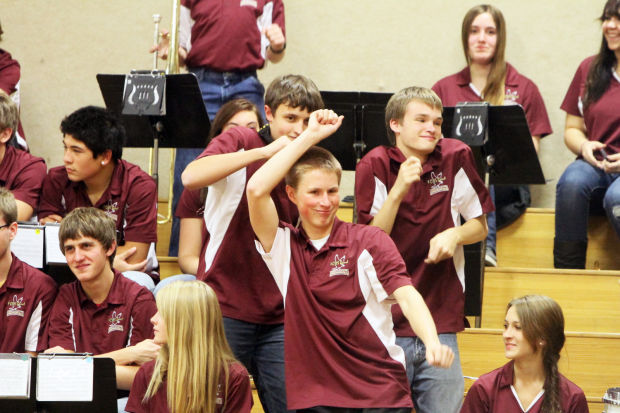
[[95, 175], [102, 312], [338, 281], [20, 172], [251, 305], [416, 192], [26, 294]]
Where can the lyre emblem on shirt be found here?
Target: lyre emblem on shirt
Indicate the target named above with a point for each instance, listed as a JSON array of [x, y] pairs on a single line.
[[110, 208], [15, 307], [338, 264], [115, 322], [436, 183], [511, 95]]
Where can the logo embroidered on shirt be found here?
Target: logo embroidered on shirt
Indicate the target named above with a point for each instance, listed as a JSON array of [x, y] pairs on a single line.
[[338, 265], [512, 95], [15, 307], [436, 182], [110, 208], [115, 321]]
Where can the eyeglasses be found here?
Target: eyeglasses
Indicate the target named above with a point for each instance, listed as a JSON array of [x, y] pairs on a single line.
[[4, 226]]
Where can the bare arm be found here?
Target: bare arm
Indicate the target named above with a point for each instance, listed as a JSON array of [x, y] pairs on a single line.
[[408, 173], [277, 43], [210, 169], [190, 244], [443, 245], [24, 211], [142, 352], [131, 256], [263, 214], [536, 142], [577, 141], [413, 307], [125, 376]]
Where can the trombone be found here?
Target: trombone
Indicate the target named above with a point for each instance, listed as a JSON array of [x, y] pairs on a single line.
[[171, 68]]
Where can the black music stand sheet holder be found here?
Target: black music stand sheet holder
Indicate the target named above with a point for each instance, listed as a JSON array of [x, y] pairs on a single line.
[[185, 123], [363, 127], [509, 142]]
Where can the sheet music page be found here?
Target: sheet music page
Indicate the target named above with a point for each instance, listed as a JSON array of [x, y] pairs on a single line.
[[64, 378], [53, 254], [28, 244], [15, 376]]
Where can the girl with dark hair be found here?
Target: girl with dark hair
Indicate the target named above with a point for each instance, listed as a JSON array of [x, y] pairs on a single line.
[[488, 77], [592, 132], [530, 382]]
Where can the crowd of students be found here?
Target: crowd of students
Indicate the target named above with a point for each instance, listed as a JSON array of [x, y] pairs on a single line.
[[326, 316]]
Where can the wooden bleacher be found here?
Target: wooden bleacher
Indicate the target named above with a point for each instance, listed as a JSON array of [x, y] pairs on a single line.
[[589, 298]]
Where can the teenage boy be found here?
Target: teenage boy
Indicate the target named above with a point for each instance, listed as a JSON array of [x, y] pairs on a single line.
[[338, 281], [26, 294], [95, 175], [416, 192], [20, 172], [102, 312], [251, 304]]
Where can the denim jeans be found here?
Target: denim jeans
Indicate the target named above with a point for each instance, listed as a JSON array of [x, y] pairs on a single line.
[[217, 88], [433, 389], [260, 347], [580, 184]]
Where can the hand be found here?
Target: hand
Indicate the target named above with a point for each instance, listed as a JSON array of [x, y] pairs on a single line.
[[276, 38], [57, 349], [439, 355], [144, 351], [611, 165], [587, 152], [121, 264], [275, 146], [163, 47], [50, 219], [323, 123], [442, 246], [409, 172]]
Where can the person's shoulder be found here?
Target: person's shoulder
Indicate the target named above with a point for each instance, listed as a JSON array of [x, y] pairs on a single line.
[[68, 292], [452, 147], [134, 171], [516, 77], [452, 80], [237, 369], [58, 173], [570, 388], [25, 158], [33, 275]]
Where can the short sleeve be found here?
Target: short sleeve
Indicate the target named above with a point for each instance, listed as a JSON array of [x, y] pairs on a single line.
[[370, 191], [141, 314], [239, 397], [138, 390], [51, 195], [470, 196], [60, 328], [572, 100], [190, 205], [536, 112], [278, 260], [27, 185], [37, 334], [141, 210]]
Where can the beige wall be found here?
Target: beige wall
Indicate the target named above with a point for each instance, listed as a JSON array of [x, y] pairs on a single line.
[[341, 44]]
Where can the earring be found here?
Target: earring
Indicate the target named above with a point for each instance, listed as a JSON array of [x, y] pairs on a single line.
[[540, 343], [102, 163]]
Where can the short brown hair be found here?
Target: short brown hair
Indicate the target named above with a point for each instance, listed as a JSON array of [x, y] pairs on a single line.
[[88, 222], [314, 158], [296, 91], [8, 206], [9, 113], [397, 105]]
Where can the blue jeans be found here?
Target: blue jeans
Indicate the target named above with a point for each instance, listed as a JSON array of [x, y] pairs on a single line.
[[217, 88], [260, 347], [433, 389], [492, 224]]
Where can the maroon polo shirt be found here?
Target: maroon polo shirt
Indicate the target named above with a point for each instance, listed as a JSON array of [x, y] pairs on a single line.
[[238, 397], [26, 299], [130, 199], [121, 320], [191, 206], [519, 90], [225, 36], [229, 262], [449, 186], [23, 175], [602, 118], [10, 73], [492, 393], [339, 341]]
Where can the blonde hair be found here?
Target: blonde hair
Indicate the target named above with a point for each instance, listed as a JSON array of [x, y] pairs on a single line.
[[314, 158], [9, 113], [397, 105], [196, 357], [494, 91]]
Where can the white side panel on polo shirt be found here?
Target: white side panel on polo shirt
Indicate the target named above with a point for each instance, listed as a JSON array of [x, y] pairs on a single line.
[[278, 260], [379, 198], [377, 309], [34, 326], [222, 201]]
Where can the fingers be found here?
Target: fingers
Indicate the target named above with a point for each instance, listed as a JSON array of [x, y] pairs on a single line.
[[139, 266], [51, 219], [327, 117], [127, 254], [440, 356]]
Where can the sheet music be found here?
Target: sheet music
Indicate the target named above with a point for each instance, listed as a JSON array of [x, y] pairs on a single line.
[[15, 376], [53, 255], [64, 378], [28, 244]]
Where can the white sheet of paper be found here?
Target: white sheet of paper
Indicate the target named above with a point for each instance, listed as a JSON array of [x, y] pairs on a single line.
[[15, 378], [28, 244], [53, 254], [65, 378]]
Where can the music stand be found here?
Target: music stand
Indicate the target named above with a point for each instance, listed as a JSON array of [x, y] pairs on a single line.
[[504, 156], [185, 123], [23, 405]]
